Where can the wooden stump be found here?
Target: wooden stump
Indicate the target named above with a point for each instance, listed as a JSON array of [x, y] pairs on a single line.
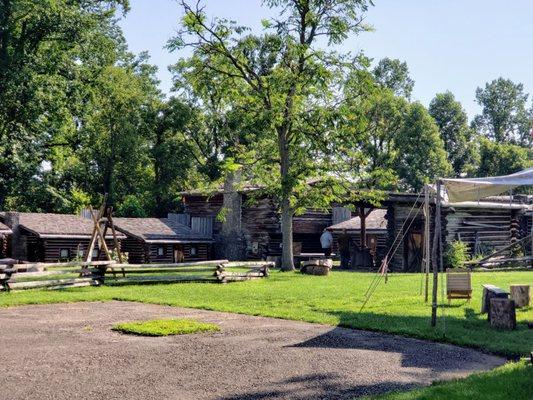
[[491, 292], [317, 267], [502, 314], [520, 295]]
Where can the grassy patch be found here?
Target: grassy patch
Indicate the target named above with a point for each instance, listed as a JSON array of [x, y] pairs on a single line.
[[511, 381], [165, 327], [396, 307]]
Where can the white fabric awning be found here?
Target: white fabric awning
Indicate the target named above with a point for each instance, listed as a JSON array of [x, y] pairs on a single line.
[[472, 189]]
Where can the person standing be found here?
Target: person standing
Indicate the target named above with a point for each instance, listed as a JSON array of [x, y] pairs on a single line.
[[326, 241], [343, 243]]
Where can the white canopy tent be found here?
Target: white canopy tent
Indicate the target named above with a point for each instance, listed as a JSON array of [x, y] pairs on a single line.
[[472, 189], [468, 190]]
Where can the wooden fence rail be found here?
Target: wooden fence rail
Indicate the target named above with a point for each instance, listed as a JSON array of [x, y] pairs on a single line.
[[96, 273]]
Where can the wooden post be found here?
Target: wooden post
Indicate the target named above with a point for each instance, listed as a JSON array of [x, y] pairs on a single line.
[[99, 234], [362, 217], [427, 249], [520, 295], [434, 255], [502, 314], [95, 232]]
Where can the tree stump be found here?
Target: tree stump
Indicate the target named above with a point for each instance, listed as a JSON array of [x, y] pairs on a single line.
[[491, 292], [502, 314], [520, 295], [317, 267]]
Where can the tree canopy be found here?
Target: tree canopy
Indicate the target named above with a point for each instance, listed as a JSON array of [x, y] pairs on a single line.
[[281, 107]]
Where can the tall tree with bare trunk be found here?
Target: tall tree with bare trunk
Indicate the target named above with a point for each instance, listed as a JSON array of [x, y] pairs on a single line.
[[288, 76]]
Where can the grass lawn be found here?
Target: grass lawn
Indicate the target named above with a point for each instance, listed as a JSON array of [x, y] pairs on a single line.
[[511, 381], [165, 327], [396, 307]]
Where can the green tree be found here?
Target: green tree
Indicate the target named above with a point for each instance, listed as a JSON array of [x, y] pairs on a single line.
[[114, 130], [504, 117], [42, 43], [288, 81], [394, 74], [458, 137], [170, 152], [503, 158], [421, 155], [384, 116]]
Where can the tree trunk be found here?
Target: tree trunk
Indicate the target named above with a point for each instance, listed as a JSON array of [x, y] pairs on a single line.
[[287, 259], [232, 244]]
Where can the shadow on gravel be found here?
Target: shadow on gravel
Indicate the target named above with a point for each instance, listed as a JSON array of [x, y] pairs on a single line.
[[414, 353], [320, 386]]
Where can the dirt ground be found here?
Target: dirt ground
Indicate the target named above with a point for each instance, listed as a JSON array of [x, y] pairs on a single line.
[[68, 351]]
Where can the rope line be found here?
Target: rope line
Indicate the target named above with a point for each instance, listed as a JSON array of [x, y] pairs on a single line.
[[393, 243], [383, 270]]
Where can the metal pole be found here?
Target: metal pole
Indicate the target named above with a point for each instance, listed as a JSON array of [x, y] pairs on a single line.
[[434, 256]]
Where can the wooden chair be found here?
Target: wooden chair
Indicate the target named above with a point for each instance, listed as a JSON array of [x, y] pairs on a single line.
[[458, 285]]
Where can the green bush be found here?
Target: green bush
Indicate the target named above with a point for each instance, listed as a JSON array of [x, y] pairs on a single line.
[[456, 254]]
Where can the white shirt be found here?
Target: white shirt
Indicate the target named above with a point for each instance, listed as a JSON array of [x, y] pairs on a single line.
[[326, 240]]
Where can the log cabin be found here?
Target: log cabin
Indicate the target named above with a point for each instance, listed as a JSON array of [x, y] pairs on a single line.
[[375, 237], [256, 224], [162, 240], [47, 237], [486, 225]]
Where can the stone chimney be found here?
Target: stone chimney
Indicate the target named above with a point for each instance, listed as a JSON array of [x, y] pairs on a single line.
[[19, 248]]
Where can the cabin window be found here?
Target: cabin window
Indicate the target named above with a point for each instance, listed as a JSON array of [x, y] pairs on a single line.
[[161, 251], [64, 253], [94, 254], [80, 253], [194, 251]]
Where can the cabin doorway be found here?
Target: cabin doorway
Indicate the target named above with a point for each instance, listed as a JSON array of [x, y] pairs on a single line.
[[178, 254], [413, 247]]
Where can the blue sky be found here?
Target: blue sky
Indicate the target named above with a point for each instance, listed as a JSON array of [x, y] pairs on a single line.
[[454, 45]]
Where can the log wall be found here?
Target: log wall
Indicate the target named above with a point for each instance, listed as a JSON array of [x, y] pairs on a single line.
[[142, 253], [49, 250], [261, 223]]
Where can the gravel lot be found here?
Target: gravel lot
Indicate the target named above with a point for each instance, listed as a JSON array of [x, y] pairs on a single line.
[[67, 351]]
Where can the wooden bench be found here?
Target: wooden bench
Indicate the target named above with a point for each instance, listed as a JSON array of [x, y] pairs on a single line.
[[458, 284]]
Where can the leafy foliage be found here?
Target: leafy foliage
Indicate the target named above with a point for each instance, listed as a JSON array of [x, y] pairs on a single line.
[[421, 150], [503, 158], [458, 137], [456, 254], [394, 75], [505, 117]]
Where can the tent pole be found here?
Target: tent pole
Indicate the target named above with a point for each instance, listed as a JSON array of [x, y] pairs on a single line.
[[427, 240], [434, 256]]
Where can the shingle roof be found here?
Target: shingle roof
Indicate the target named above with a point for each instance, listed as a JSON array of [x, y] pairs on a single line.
[[375, 221], [158, 230], [54, 225], [4, 228]]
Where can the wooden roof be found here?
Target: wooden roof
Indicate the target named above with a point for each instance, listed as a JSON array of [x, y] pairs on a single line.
[[50, 225], [375, 221], [158, 230]]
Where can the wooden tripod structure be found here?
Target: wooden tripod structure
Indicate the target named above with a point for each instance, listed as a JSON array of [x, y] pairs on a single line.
[[104, 217]]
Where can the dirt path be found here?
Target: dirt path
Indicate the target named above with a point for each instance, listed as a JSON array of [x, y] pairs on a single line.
[[67, 351]]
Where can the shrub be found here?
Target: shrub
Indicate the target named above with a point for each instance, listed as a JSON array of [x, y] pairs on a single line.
[[456, 255]]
